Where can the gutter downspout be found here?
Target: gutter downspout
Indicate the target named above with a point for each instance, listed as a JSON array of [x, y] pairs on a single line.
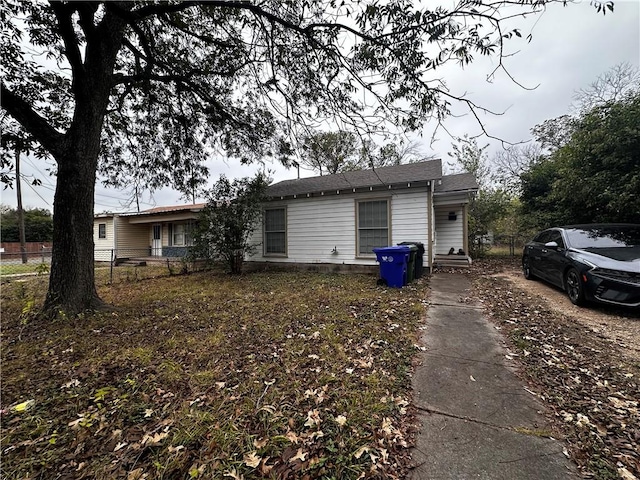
[[431, 232]]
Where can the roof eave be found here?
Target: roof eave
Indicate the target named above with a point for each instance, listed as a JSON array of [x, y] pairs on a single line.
[[351, 190]]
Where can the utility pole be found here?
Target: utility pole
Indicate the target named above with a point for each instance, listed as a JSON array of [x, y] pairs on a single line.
[[23, 247]]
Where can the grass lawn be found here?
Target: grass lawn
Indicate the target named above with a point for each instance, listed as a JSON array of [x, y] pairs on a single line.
[[12, 268], [275, 375]]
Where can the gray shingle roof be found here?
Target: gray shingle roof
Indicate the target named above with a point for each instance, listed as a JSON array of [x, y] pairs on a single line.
[[456, 183], [397, 174]]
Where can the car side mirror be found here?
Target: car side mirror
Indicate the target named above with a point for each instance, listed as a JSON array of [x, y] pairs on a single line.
[[552, 245]]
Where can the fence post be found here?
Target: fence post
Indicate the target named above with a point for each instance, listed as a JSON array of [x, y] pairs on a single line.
[[111, 265]]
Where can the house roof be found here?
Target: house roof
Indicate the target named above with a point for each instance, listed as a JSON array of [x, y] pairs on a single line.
[[194, 207], [383, 176], [460, 182]]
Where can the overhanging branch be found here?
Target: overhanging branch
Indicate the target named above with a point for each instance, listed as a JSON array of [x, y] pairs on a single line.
[[36, 125]]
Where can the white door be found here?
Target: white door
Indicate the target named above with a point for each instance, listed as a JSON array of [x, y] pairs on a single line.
[[156, 246]]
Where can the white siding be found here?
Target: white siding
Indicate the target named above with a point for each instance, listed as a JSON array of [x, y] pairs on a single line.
[[102, 246], [316, 226], [132, 240], [449, 233]]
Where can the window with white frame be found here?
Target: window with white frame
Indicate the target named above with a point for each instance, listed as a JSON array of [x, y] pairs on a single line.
[[373, 225], [275, 231], [102, 230], [180, 234]]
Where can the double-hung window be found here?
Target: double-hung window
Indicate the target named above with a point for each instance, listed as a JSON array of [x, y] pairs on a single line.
[[275, 231], [180, 234], [373, 225], [102, 230]]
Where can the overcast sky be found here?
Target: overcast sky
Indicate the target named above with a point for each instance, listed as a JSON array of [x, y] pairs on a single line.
[[571, 46]]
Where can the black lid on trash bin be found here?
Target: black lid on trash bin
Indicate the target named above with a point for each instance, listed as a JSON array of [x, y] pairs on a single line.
[[420, 246]]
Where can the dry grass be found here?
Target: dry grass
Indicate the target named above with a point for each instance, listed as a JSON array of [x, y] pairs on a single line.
[[206, 375]]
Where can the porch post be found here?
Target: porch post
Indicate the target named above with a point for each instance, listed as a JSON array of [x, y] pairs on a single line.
[[465, 229], [431, 232]]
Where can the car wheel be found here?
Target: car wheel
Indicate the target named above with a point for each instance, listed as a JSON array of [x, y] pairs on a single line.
[[573, 285], [526, 268]]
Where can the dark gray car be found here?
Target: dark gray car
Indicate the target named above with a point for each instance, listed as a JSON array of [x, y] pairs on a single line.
[[599, 262]]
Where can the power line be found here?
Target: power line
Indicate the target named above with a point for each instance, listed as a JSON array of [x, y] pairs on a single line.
[[26, 159], [38, 194]]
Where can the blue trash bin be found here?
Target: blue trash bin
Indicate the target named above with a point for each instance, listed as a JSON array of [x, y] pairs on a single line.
[[393, 264]]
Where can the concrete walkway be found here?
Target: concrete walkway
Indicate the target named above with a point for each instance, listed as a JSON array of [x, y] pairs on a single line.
[[477, 420]]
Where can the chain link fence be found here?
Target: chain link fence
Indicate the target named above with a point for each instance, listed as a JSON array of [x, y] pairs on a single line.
[[111, 265]]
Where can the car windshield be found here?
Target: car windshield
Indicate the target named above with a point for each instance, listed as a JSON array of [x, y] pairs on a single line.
[[604, 237]]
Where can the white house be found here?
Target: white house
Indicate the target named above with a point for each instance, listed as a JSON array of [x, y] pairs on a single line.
[[157, 232], [338, 219], [328, 221]]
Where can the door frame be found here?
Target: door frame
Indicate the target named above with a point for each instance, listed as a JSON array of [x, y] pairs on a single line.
[[156, 242]]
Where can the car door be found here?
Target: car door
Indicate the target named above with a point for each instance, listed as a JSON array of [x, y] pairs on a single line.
[[553, 257], [534, 252]]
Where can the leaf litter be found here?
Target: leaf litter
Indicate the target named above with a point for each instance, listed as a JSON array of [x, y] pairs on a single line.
[[587, 380], [211, 376]]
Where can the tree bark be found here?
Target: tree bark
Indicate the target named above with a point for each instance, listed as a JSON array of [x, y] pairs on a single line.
[[72, 281]]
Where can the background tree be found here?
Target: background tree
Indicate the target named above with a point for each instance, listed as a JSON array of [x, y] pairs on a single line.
[[226, 223], [595, 177], [489, 204], [389, 154], [554, 133], [228, 76], [599, 169], [330, 152], [38, 225], [619, 82], [509, 164]]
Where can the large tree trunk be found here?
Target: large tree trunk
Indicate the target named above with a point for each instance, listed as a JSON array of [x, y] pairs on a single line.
[[72, 281]]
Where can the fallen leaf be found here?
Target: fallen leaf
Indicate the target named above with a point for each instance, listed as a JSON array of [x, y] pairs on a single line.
[[251, 459], [313, 418], [259, 443], [120, 446], [155, 439], [233, 473], [358, 453], [626, 474], [298, 456], [136, 474], [24, 406], [292, 437]]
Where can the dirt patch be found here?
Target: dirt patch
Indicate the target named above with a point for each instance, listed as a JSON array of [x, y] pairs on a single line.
[[620, 326]]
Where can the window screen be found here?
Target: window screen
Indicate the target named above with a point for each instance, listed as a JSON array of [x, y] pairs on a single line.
[[373, 226], [275, 231]]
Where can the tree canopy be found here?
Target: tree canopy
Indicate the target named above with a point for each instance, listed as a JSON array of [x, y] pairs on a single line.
[[38, 224], [595, 176], [114, 86]]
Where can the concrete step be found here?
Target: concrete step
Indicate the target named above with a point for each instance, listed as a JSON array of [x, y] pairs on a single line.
[[131, 262], [454, 261]]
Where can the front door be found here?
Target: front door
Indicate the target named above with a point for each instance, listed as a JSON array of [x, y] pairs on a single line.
[[156, 246]]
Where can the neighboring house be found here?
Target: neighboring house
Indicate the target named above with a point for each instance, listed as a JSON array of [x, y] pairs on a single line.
[[157, 232], [339, 219]]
